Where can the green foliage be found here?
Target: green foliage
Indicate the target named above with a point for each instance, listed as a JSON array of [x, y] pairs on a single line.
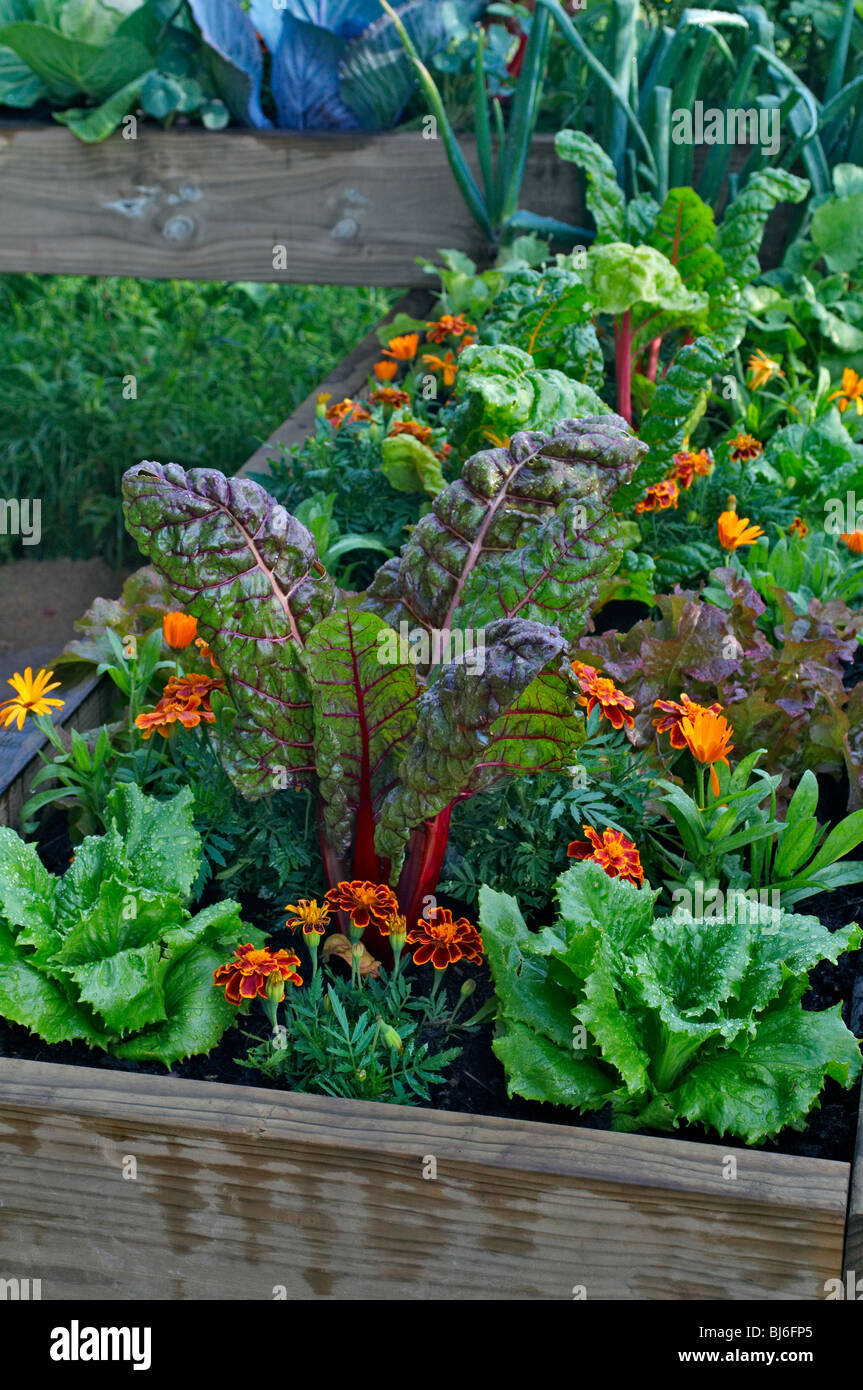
[[667, 1019], [215, 367], [109, 953]]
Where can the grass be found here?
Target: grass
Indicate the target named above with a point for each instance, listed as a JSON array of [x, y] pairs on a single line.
[[97, 374]]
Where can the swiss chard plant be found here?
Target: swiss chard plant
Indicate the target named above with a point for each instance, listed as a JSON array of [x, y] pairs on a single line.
[[441, 678], [109, 952], [666, 1019]]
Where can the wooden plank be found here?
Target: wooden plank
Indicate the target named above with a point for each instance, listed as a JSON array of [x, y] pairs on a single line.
[[854, 1230], [347, 379], [86, 707], [205, 205], [244, 1193]]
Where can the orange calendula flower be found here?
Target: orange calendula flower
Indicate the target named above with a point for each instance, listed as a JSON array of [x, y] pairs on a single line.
[[673, 714], [688, 466], [346, 410], [309, 914], [708, 738], [179, 630], [735, 531], [403, 348], [390, 397], [385, 371], [762, 369], [423, 433], [444, 942], [246, 976], [599, 690], [612, 851], [448, 326], [448, 365], [798, 527], [30, 697], [364, 902], [853, 540], [745, 447], [850, 392], [659, 497]]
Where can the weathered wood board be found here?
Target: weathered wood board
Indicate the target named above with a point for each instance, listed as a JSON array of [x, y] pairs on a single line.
[[854, 1232], [202, 205], [242, 1194]]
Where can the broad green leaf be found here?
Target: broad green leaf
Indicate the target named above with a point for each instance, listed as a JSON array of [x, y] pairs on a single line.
[[605, 1013], [365, 701], [26, 887], [604, 198], [38, 1002], [411, 466], [92, 124], [61, 63], [539, 1070], [586, 895], [525, 993], [804, 802], [197, 1012], [121, 919], [249, 572], [837, 230], [742, 228], [620, 277], [684, 233], [794, 847], [125, 990], [219, 924], [161, 846]]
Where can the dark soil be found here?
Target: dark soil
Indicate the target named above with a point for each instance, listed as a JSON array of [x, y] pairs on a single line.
[[477, 1084]]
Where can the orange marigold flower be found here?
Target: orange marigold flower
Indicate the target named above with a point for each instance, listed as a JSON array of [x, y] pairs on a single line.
[[448, 326], [612, 851], [444, 942], [385, 371], [708, 738], [659, 497], [798, 527], [390, 396], [168, 713], [599, 690], [364, 902], [448, 365], [179, 630], [246, 975], [423, 433], [762, 369], [29, 698], [735, 531], [346, 410], [853, 540], [688, 466], [673, 713], [309, 914], [745, 447], [850, 392], [403, 348]]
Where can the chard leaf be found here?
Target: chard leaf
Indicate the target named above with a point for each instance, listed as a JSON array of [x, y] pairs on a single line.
[[772, 1080], [621, 277], [26, 887], [249, 573], [685, 232], [125, 989], [500, 503], [33, 999], [365, 710], [604, 197], [456, 716], [741, 230]]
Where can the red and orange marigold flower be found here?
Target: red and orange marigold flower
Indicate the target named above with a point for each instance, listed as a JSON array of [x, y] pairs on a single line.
[[673, 714], [423, 433], [688, 466], [659, 497], [390, 396], [346, 411], [744, 448], [364, 902], [444, 942], [185, 701], [448, 326], [798, 528], [247, 975], [308, 913], [612, 851], [599, 690]]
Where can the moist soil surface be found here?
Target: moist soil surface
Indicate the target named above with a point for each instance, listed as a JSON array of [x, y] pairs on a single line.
[[476, 1083]]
